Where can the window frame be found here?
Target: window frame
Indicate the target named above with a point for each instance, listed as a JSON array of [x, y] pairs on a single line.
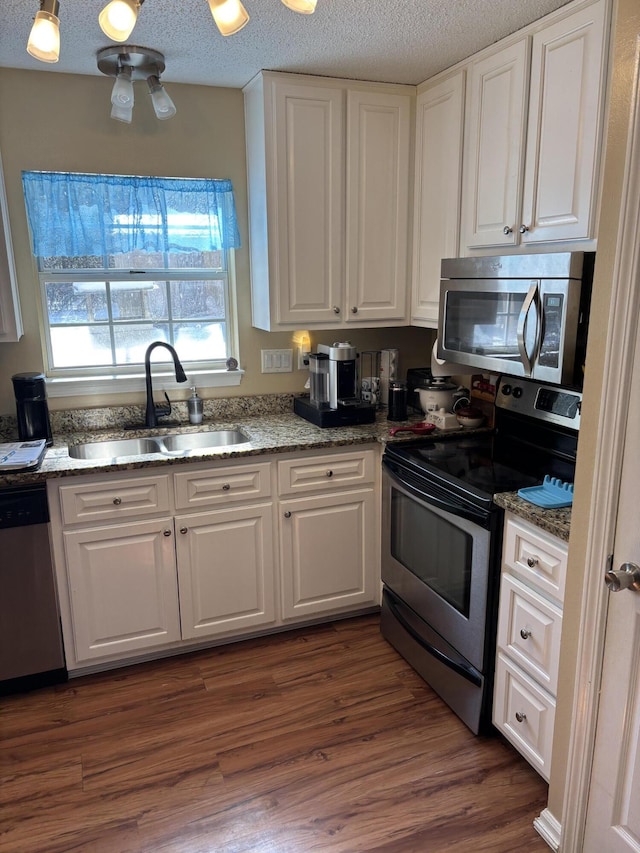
[[81, 381]]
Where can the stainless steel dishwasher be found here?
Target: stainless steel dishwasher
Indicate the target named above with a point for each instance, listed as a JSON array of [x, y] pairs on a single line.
[[31, 652]]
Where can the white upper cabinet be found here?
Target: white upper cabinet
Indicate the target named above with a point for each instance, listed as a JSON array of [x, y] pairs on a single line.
[[328, 176], [437, 184], [560, 183], [533, 130], [494, 154], [10, 318]]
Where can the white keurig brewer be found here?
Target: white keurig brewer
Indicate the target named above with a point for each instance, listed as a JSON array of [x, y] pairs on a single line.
[[334, 398]]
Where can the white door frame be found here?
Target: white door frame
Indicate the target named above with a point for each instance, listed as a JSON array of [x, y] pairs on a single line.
[[625, 308]]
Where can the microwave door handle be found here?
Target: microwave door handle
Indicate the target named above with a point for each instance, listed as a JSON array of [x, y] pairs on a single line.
[[530, 299]]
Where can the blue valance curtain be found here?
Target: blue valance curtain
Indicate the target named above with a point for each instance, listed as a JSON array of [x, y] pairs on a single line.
[[74, 214]]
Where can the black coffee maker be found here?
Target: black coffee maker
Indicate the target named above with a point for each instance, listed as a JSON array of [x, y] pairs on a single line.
[[31, 407]]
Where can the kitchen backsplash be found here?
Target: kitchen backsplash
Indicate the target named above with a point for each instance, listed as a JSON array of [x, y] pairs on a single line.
[[117, 417]]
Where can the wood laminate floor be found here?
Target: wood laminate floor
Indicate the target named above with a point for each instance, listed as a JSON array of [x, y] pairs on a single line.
[[320, 739]]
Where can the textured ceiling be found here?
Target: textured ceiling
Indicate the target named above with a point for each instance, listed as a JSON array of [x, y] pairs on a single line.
[[402, 41]]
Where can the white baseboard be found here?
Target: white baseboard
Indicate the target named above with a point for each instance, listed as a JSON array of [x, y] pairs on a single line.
[[548, 828]]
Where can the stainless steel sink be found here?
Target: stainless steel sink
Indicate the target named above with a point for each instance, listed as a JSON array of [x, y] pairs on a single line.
[[114, 448], [200, 440], [176, 444]]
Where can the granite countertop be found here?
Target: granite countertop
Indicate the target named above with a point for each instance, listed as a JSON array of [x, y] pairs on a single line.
[[554, 521], [269, 433], [268, 421]]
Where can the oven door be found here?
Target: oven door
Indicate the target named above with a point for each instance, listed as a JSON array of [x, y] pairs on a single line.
[[439, 563]]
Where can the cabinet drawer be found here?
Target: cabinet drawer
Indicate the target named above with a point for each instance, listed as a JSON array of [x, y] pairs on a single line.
[[529, 630], [541, 559], [114, 499], [524, 713], [325, 473], [217, 486]]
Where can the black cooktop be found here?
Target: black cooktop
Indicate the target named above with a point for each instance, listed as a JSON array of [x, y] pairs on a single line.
[[480, 465]]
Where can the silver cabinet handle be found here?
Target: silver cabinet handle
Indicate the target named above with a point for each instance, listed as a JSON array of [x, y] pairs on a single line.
[[525, 633], [627, 577], [166, 532], [117, 501], [329, 473], [523, 229], [507, 230], [354, 310], [532, 562], [226, 487], [520, 717], [336, 309], [287, 514], [184, 530]]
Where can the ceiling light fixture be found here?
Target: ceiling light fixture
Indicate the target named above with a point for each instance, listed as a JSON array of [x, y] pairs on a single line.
[[229, 15], [44, 38], [306, 7], [118, 18], [129, 63]]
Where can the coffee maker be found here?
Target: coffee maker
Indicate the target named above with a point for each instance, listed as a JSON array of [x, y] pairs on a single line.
[[31, 407], [335, 394]]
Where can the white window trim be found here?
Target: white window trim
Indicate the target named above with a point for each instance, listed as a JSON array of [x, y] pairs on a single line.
[[88, 385]]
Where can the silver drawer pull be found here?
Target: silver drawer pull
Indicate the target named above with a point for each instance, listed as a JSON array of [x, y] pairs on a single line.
[[117, 501], [507, 230], [184, 530], [336, 310], [520, 717], [226, 487], [287, 514], [166, 532], [532, 562], [329, 473], [525, 633]]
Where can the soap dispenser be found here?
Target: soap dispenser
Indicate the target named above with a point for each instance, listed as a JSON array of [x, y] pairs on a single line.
[[195, 406]]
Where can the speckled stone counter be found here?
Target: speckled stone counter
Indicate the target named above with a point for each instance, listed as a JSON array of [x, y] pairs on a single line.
[[555, 521], [268, 422]]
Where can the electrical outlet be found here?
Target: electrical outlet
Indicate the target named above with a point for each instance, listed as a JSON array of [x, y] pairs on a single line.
[[303, 359], [277, 360]]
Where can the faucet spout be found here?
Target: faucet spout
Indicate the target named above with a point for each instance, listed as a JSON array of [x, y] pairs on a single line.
[[154, 410]]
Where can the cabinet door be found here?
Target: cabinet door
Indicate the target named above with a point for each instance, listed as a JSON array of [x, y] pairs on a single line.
[[563, 136], [309, 203], [328, 546], [494, 148], [377, 204], [225, 570], [122, 588], [438, 177]]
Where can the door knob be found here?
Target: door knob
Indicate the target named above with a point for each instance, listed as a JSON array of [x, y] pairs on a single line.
[[627, 577], [507, 230]]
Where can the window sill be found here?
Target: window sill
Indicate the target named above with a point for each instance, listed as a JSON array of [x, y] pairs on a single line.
[[86, 386]]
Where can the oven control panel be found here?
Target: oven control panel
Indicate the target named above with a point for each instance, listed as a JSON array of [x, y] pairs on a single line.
[[549, 403]]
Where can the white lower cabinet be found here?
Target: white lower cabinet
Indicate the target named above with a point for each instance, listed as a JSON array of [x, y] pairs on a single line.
[[225, 570], [122, 588], [153, 562], [528, 642], [327, 550]]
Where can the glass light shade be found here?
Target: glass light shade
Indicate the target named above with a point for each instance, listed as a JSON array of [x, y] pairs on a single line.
[[44, 38], [118, 18], [122, 112], [307, 7], [162, 104], [122, 92], [229, 15]]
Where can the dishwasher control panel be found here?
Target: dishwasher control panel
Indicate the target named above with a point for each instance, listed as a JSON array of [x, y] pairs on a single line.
[[23, 505]]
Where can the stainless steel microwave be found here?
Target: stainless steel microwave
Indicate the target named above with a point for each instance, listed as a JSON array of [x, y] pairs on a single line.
[[520, 315]]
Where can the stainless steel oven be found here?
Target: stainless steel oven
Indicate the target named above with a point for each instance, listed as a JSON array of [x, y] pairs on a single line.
[[442, 536]]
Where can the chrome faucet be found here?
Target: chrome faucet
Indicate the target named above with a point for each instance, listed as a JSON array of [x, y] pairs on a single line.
[[158, 410]]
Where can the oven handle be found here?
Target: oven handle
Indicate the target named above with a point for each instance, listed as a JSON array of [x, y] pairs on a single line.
[[466, 672], [404, 479]]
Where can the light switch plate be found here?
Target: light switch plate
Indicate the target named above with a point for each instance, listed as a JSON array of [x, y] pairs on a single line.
[[277, 360]]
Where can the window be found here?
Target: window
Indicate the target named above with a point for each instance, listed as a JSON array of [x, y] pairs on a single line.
[[125, 261]]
